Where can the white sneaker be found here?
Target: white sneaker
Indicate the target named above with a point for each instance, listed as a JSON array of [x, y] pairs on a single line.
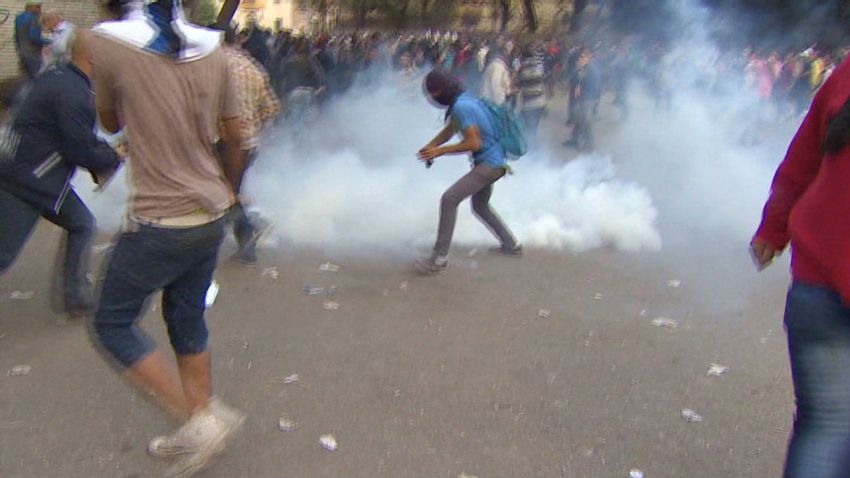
[[201, 438]]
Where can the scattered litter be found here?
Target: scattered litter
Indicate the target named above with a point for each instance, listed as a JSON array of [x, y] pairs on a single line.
[[665, 322], [250, 364], [544, 313], [90, 278], [22, 295], [598, 296], [716, 370], [675, 283], [330, 305], [19, 370], [385, 292], [245, 345], [691, 416], [271, 272], [326, 291], [328, 442], [397, 393], [635, 473], [643, 313], [763, 340], [404, 285], [212, 293], [3, 335], [287, 425], [464, 475], [61, 322], [328, 267], [101, 248], [291, 379], [473, 253]]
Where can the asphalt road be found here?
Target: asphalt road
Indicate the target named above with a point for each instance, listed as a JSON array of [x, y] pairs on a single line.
[[431, 377]]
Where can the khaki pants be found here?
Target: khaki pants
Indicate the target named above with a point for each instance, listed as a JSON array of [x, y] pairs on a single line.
[[478, 183]]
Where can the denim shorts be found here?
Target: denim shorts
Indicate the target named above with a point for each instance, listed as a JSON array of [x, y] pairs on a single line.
[[145, 259]]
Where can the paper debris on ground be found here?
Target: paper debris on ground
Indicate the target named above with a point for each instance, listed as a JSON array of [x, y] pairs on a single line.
[[473, 253], [22, 295], [19, 370], [404, 285], [635, 473], [598, 297], [674, 284], [326, 291], [665, 322], [716, 370], [271, 272], [328, 442], [466, 475], [544, 313], [691, 416], [287, 425], [328, 267], [330, 305], [291, 379]]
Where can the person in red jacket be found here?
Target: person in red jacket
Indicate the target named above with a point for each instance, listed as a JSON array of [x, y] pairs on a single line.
[[809, 207]]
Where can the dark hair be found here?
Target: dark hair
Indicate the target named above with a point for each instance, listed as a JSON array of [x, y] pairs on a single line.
[[449, 87], [838, 131]]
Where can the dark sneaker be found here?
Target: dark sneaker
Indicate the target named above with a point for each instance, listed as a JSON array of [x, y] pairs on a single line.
[[508, 251], [432, 265]]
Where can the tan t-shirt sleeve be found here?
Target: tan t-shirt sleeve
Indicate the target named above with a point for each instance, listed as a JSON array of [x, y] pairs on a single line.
[[104, 78]]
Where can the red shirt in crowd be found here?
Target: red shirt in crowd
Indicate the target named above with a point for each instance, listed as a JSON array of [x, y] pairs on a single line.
[[809, 203]]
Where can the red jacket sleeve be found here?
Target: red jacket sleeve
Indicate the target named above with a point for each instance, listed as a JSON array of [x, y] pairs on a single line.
[[796, 173]]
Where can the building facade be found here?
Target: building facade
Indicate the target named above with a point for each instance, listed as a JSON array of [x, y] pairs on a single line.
[[83, 13]]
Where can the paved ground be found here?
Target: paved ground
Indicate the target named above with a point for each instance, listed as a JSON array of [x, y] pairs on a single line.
[[432, 377]]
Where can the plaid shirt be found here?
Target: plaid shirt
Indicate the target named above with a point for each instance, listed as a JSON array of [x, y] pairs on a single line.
[[259, 103]]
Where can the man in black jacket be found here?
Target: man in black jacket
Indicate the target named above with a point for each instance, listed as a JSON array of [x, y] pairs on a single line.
[[54, 129]]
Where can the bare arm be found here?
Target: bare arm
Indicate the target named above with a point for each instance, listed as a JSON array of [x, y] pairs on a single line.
[[471, 143], [441, 138], [232, 160], [109, 120]]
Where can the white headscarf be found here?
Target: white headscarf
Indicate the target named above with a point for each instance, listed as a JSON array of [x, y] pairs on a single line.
[[152, 26]]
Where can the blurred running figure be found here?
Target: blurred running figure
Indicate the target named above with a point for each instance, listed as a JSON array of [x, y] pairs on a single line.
[[52, 135], [808, 207], [259, 105], [170, 84], [468, 116]]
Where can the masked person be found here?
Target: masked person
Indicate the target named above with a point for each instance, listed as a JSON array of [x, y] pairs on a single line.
[[469, 117], [170, 84]]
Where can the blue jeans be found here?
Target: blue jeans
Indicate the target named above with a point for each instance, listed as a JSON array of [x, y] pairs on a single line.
[[181, 262], [818, 326], [19, 220]]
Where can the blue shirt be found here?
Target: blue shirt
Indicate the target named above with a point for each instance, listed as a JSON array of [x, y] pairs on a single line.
[[469, 111]]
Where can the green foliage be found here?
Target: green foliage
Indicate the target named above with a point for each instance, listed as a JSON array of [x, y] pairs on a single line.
[[203, 12]]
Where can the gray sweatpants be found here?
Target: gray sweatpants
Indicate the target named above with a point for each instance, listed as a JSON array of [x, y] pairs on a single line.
[[478, 183]]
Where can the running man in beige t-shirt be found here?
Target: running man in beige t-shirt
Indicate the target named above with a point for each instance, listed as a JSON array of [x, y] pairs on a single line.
[[169, 84]]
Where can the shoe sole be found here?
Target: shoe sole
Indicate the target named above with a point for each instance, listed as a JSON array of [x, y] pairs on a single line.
[[427, 269], [199, 460]]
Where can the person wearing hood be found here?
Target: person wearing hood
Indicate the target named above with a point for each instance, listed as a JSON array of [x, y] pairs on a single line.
[[170, 85], [469, 117]]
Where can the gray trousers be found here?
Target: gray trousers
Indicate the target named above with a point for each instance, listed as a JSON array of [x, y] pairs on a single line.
[[478, 183]]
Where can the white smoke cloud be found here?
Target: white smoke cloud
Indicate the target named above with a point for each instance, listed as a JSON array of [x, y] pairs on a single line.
[[352, 181]]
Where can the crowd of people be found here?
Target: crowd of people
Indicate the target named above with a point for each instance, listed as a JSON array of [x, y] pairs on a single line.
[[189, 105]]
